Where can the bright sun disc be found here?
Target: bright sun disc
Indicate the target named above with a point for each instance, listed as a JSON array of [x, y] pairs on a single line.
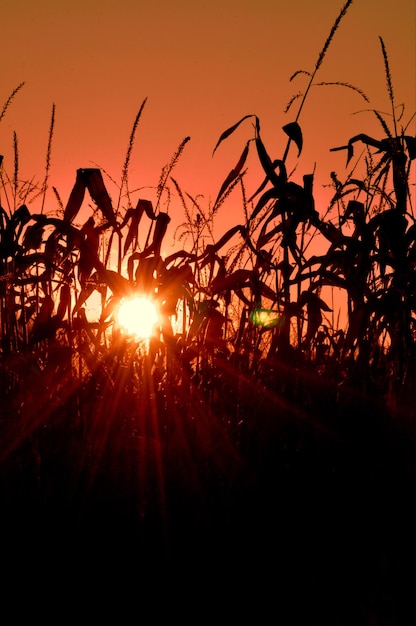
[[137, 316]]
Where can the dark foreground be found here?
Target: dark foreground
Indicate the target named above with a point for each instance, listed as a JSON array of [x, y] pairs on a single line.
[[306, 525]]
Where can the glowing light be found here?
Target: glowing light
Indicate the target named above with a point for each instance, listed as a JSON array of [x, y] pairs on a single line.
[[266, 318], [137, 316]]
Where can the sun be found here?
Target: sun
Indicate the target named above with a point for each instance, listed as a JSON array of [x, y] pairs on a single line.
[[137, 316]]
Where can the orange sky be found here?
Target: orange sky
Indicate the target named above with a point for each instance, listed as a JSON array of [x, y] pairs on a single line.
[[202, 66]]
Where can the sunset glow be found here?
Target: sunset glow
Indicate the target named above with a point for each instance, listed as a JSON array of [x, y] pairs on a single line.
[[137, 316]]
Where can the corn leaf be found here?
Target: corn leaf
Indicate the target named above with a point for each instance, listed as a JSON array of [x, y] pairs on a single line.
[[64, 301], [233, 174], [294, 132], [230, 130], [95, 184], [76, 198]]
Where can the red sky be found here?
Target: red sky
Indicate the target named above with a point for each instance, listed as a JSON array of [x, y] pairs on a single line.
[[202, 66]]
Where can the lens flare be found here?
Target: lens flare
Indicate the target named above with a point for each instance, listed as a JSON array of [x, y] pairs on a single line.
[[265, 318], [137, 316]]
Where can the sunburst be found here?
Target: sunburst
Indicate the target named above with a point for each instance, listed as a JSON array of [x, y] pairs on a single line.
[[137, 316]]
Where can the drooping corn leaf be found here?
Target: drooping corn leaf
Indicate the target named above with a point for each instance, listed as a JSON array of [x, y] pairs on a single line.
[[239, 278], [411, 146], [95, 184], [212, 249], [88, 251], [145, 279], [33, 236], [173, 285], [162, 221], [147, 206], [268, 165], [135, 256], [11, 229], [76, 198], [294, 132], [390, 228], [369, 141], [180, 254], [133, 232], [230, 130], [21, 216]]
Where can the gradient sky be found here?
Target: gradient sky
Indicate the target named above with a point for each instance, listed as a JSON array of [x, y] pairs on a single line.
[[202, 66]]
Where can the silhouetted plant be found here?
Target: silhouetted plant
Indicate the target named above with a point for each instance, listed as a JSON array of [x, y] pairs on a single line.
[[248, 370]]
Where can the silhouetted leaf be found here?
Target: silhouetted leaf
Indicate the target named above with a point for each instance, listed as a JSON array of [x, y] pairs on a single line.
[[314, 307], [147, 207], [144, 277], [95, 184], [134, 216], [42, 328], [85, 293], [356, 326], [64, 301], [262, 185], [76, 198], [234, 173], [265, 237], [88, 251], [350, 152], [390, 228], [269, 167], [230, 130], [180, 254], [21, 215], [214, 328], [173, 286], [411, 146], [213, 248], [236, 280], [355, 209], [63, 233], [199, 317], [119, 285], [133, 232], [162, 221], [241, 295], [267, 291], [383, 145], [11, 229], [136, 256], [294, 132], [33, 236], [270, 194]]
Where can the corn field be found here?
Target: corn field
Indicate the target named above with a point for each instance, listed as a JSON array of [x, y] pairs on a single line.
[[256, 428]]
